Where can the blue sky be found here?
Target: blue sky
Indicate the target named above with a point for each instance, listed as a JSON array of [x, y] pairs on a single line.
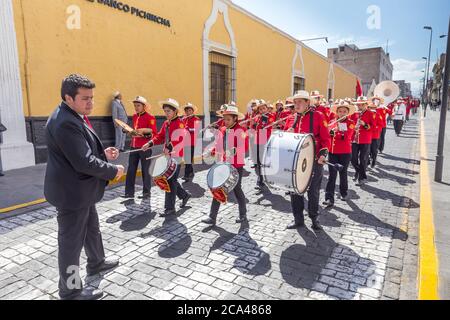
[[345, 21]]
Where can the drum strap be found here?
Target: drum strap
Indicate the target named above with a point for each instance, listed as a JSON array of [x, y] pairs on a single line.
[[297, 119], [311, 122], [167, 142]]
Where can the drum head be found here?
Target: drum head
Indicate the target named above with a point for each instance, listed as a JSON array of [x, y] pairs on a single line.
[[159, 166], [305, 164], [218, 175]]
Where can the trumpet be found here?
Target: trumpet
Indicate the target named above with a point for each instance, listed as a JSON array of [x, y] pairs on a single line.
[[276, 122]]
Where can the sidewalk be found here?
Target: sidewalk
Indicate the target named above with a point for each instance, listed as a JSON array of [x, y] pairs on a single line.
[[440, 193], [24, 188], [368, 249]]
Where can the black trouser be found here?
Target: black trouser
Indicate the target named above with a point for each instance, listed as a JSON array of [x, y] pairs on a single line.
[[240, 196], [258, 169], [133, 163], [344, 160], [374, 151], [398, 126], [189, 168], [298, 201], [176, 190], [382, 140], [360, 152], [77, 229]]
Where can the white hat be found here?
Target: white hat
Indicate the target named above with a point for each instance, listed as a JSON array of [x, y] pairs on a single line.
[[170, 102], [190, 105], [232, 110], [261, 102], [362, 100], [140, 99], [301, 94], [316, 94], [116, 94], [341, 103]]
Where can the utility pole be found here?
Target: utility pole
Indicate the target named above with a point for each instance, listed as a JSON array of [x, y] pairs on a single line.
[[441, 140]]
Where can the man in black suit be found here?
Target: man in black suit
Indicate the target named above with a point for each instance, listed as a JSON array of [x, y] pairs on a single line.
[[77, 174]]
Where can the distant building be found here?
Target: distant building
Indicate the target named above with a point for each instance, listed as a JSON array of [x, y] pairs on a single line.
[[436, 86], [405, 88], [369, 64]]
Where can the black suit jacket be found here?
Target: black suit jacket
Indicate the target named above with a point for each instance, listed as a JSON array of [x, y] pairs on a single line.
[[77, 168]]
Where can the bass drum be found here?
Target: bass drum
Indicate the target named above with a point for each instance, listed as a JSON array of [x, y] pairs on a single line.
[[288, 161]]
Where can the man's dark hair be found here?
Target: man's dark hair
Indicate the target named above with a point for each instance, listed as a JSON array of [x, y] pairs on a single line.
[[72, 83]]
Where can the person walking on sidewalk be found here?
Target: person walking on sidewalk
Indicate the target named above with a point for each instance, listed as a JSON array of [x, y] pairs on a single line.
[[171, 135], [144, 125], [75, 180], [399, 116], [191, 123], [341, 150], [362, 139], [231, 145], [119, 113], [308, 121]]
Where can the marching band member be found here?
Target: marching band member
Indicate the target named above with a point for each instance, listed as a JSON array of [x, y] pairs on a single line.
[[171, 135], [399, 116], [362, 139], [144, 125], [231, 146], [262, 136], [341, 150], [384, 112], [376, 134], [316, 99], [305, 121], [282, 113], [191, 123]]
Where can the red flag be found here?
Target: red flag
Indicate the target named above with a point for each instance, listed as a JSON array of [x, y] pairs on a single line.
[[359, 90]]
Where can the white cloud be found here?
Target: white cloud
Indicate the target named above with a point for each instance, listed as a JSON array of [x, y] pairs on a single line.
[[410, 71]]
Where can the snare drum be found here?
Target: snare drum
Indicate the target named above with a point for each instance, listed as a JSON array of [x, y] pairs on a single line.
[[161, 170], [222, 179], [288, 162]]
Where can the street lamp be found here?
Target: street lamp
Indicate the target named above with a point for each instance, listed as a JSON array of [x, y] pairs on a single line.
[[441, 139], [429, 54], [312, 39]]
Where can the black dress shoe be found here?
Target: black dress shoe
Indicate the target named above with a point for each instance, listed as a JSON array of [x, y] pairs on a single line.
[[145, 196], [1, 174], [241, 220], [344, 198], [185, 201], [89, 294], [209, 221], [356, 177], [168, 213], [316, 225], [328, 203], [127, 196], [295, 225], [105, 266]]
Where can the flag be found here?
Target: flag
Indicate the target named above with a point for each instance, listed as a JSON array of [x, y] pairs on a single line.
[[359, 90]]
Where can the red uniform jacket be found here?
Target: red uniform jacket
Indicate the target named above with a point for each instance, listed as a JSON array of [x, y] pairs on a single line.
[[341, 140], [192, 124], [384, 112], [143, 121], [363, 134], [301, 124], [172, 135], [232, 145], [377, 125], [263, 135], [325, 111]]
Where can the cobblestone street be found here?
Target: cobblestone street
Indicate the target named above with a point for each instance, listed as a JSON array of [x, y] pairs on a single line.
[[368, 249]]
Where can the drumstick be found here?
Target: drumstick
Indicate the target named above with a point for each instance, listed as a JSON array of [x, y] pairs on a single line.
[[133, 151]]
